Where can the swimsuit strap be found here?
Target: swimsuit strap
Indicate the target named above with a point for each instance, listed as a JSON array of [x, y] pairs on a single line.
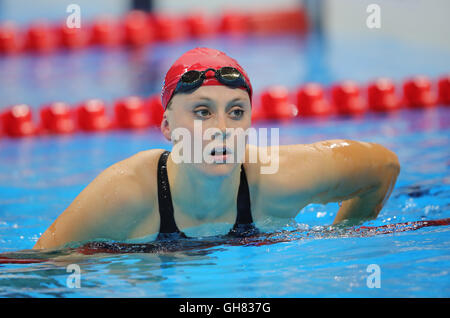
[[244, 222], [168, 228], [244, 214]]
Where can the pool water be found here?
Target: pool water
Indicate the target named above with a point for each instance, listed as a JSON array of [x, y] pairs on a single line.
[[303, 257]]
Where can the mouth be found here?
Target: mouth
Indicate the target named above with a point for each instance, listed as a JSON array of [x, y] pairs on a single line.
[[221, 154]]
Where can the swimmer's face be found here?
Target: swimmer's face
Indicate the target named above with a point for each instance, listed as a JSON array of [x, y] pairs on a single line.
[[217, 107]]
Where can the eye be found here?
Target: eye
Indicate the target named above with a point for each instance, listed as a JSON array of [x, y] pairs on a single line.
[[203, 112], [237, 112]]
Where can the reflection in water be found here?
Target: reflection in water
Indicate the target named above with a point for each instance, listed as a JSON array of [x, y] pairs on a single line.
[[156, 265], [197, 247]]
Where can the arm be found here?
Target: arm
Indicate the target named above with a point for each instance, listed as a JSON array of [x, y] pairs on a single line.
[[110, 207], [382, 168], [359, 174]]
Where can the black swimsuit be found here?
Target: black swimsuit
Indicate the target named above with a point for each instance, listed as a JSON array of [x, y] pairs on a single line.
[[168, 229]]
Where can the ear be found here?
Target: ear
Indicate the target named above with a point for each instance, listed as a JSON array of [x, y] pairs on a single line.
[[165, 128]]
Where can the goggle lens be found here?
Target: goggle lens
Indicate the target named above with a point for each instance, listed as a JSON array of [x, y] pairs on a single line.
[[191, 76], [229, 74]]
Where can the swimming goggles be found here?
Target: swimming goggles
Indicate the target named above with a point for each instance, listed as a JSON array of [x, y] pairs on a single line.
[[226, 75]]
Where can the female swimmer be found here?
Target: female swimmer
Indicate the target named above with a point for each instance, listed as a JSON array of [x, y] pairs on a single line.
[[153, 192]]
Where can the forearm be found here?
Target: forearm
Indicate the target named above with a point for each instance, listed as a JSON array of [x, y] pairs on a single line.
[[368, 204]]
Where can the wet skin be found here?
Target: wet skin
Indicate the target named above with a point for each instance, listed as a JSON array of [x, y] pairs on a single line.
[[122, 202]]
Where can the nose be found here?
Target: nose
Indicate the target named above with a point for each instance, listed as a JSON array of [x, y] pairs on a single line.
[[221, 124]]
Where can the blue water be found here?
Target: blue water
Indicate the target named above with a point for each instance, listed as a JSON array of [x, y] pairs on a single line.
[[39, 178]]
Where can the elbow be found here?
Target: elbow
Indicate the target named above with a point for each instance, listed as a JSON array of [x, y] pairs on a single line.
[[41, 244], [387, 158], [44, 242], [392, 162], [388, 166], [37, 246], [385, 164]]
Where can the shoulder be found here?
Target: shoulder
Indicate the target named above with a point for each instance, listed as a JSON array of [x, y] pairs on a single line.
[[136, 178], [136, 173], [142, 167], [142, 161]]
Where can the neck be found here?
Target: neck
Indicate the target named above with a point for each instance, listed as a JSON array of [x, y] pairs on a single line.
[[201, 196]]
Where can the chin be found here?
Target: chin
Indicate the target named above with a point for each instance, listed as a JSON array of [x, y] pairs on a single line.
[[218, 169]]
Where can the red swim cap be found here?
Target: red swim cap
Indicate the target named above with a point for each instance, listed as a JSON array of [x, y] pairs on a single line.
[[199, 59]]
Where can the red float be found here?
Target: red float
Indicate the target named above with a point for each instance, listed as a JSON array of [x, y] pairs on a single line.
[[199, 26], [381, 95], [444, 90], [273, 22], [169, 28], [130, 113], [106, 32], [138, 30], [57, 118], [92, 117], [234, 23], [155, 110], [73, 38], [17, 121], [417, 92], [9, 38], [275, 104], [257, 113], [41, 37], [311, 101], [294, 20], [347, 99]]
